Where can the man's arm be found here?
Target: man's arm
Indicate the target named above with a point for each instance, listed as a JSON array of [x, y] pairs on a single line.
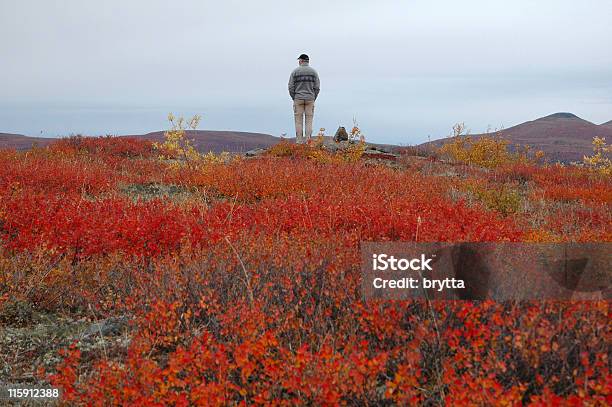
[[317, 86], [291, 86]]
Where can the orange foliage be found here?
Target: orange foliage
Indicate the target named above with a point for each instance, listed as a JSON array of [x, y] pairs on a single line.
[[248, 291]]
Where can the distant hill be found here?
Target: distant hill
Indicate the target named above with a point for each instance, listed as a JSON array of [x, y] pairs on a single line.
[[218, 141], [20, 142], [203, 140], [562, 136]]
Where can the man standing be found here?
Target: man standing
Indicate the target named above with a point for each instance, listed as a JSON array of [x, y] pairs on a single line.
[[303, 88]]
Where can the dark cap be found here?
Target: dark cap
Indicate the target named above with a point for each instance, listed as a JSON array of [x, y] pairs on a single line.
[[304, 57]]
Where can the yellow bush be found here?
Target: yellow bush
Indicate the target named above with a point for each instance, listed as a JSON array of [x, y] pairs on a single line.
[[600, 161], [486, 151], [175, 144], [354, 152], [180, 150]]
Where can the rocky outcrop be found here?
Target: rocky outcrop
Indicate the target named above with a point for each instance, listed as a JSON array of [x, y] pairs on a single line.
[[256, 152], [378, 153], [341, 135]]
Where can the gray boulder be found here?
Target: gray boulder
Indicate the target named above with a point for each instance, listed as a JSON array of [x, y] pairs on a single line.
[[341, 135], [256, 152]]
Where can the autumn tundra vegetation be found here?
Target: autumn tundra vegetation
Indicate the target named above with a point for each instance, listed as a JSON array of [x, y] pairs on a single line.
[[134, 273]]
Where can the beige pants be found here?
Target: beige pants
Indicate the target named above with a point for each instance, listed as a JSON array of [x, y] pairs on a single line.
[[303, 109]]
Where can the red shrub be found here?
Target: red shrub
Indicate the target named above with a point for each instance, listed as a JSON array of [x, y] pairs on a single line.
[[248, 291]]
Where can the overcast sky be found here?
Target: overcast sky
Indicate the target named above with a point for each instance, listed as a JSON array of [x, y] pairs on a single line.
[[406, 69]]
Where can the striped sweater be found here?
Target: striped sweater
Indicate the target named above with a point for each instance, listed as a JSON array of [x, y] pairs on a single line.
[[304, 83]]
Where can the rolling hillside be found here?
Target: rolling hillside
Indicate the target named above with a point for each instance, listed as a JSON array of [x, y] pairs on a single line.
[[20, 142], [562, 136], [203, 140], [218, 141]]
